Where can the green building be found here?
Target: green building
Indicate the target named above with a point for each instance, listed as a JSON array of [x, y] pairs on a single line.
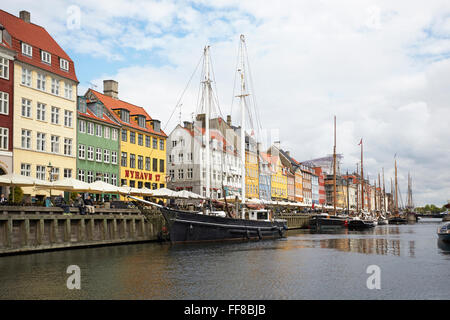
[[98, 145]]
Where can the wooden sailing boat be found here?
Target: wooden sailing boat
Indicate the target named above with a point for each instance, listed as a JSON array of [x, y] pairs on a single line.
[[397, 218], [411, 216], [188, 226]]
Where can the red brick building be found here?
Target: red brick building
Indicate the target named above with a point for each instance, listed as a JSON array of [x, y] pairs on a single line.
[[322, 195]]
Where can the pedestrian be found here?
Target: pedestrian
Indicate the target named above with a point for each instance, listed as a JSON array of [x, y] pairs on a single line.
[[3, 200], [80, 204], [89, 205], [60, 202]]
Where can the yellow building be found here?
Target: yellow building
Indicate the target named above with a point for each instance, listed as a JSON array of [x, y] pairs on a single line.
[[279, 179], [45, 92], [251, 175], [142, 142]]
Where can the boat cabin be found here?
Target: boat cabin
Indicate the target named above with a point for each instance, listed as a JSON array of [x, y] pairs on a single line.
[[260, 215]]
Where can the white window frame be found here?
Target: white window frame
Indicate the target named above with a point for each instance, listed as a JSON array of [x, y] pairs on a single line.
[[4, 103], [90, 176], [107, 132], [114, 134], [80, 175], [27, 78], [26, 139], [67, 146], [106, 156], [4, 138], [90, 153], [40, 141], [26, 110], [55, 86], [68, 118], [27, 49], [40, 111], [114, 179], [54, 144], [64, 64], [25, 169], [54, 118], [98, 155], [4, 68], [41, 172], [114, 157], [81, 151], [67, 173], [40, 82], [90, 128], [98, 130], [67, 90], [46, 57], [82, 126]]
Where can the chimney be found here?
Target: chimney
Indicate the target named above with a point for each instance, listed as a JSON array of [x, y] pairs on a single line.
[[111, 88], [229, 120], [25, 16]]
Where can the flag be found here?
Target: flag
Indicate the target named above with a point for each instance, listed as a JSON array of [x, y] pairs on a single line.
[[360, 142]]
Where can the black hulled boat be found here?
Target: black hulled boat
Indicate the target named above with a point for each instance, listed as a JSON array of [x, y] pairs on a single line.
[[323, 222], [360, 224]]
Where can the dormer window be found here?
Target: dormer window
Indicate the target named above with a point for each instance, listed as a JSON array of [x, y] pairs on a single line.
[[82, 104], [46, 57], [64, 64], [27, 49], [125, 115], [141, 121]]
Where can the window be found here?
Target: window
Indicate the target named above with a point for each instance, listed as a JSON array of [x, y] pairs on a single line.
[[180, 174], [90, 177], [125, 116], [140, 139], [132, 137], [106, 177], [67, 146], [180, 158], [172, 174], [4, 102], [161, 144], [147, 141], [107, 132], [147, 163], [190, 156], [171, 158], [82, 126], [27, 49], [114, 134], [54, 144], [40, 172], [40, 111], [68, 118], [123, 159], [26, 77], [98, 130], [26, 139], [64, 64], [4, 68], [140, 184], [140, 162], [155, 164], [67, 90], [81, 151], [25, 169], [189, 173], [174, 143], [54, 174], [114, 157], [114, 179], [46, 57], [141, 121], [132, 160], [98, 155], [90, 128], [55, 115], [80, 175], [124, 135], [67, 173], [106, 156], [161, 165], [132, 183], [40, 141], [155, 143], [55, 86], [90, 153], [40, 81], [4, 138]]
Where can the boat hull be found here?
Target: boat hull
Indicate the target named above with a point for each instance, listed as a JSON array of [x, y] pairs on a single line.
[[398, 220], [327, 223], [444, 237], [187, 227], [360, 224]]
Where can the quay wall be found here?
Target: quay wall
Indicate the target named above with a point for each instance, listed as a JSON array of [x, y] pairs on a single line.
[[295, 221], [31, 229]]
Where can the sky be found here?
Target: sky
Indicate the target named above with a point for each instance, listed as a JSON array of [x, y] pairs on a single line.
[[381, 67]]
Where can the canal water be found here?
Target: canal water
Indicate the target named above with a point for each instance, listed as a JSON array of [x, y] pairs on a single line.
[[412, 263]]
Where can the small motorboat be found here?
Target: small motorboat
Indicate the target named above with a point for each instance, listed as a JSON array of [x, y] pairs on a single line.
[[360, 224], [444, 233]]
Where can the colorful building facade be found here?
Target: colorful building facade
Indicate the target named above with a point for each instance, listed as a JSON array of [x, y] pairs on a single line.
[[45, 91], [142, 141]]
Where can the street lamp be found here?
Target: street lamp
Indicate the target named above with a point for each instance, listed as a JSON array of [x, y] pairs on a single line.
[[50, 175]]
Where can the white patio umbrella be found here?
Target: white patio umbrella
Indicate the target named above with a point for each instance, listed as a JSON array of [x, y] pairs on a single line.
[[188, 195], [103, 187], [16, 180], [70, 184], [164, 193]]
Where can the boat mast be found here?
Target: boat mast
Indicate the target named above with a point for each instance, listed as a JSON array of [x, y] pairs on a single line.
[[348, 195], [396, 188], [384, 194], [362, 177], [207, 88], [242, 96], [357, 188], [379, 193], [334, 167]]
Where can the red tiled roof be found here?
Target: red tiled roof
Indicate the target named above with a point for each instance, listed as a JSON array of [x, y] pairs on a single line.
[[113, 104], [90, 114], [38, 38]]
